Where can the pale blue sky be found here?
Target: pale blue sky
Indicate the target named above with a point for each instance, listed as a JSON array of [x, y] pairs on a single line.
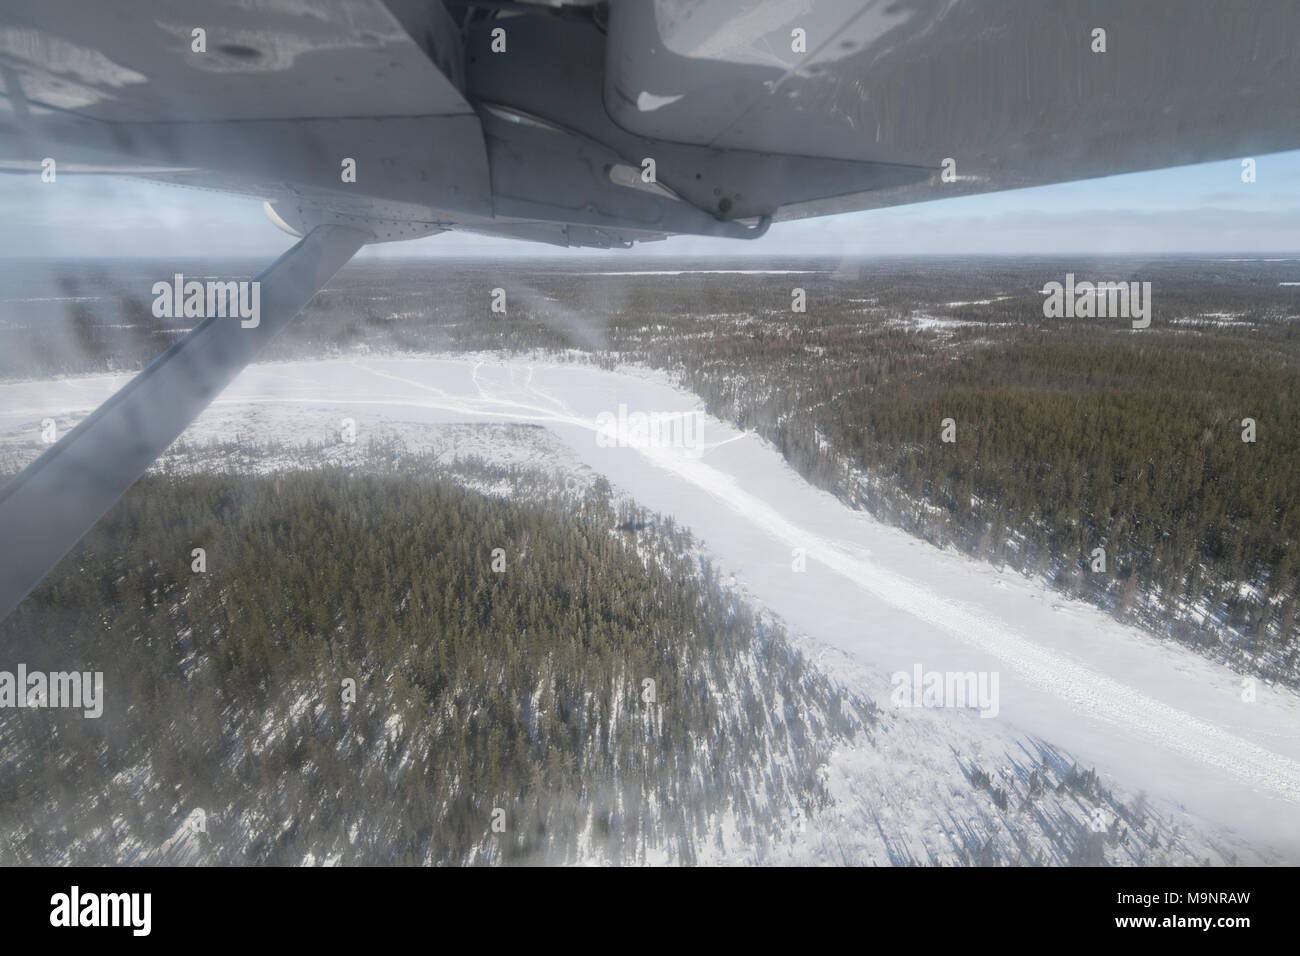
[[1190, 209]]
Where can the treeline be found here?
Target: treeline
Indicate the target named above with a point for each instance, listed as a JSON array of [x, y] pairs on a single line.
[[1198, 528], [517, 696], [1069, 437]]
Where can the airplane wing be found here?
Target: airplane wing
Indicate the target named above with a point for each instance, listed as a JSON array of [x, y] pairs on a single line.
[[536, 119], [589, 123]]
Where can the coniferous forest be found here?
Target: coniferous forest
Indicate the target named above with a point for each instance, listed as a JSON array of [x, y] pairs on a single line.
[[350, 680]]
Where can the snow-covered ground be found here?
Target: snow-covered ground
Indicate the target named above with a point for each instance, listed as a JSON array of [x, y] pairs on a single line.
[[872, 601]]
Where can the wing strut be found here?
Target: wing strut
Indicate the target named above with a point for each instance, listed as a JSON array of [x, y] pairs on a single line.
[[47, 508]]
